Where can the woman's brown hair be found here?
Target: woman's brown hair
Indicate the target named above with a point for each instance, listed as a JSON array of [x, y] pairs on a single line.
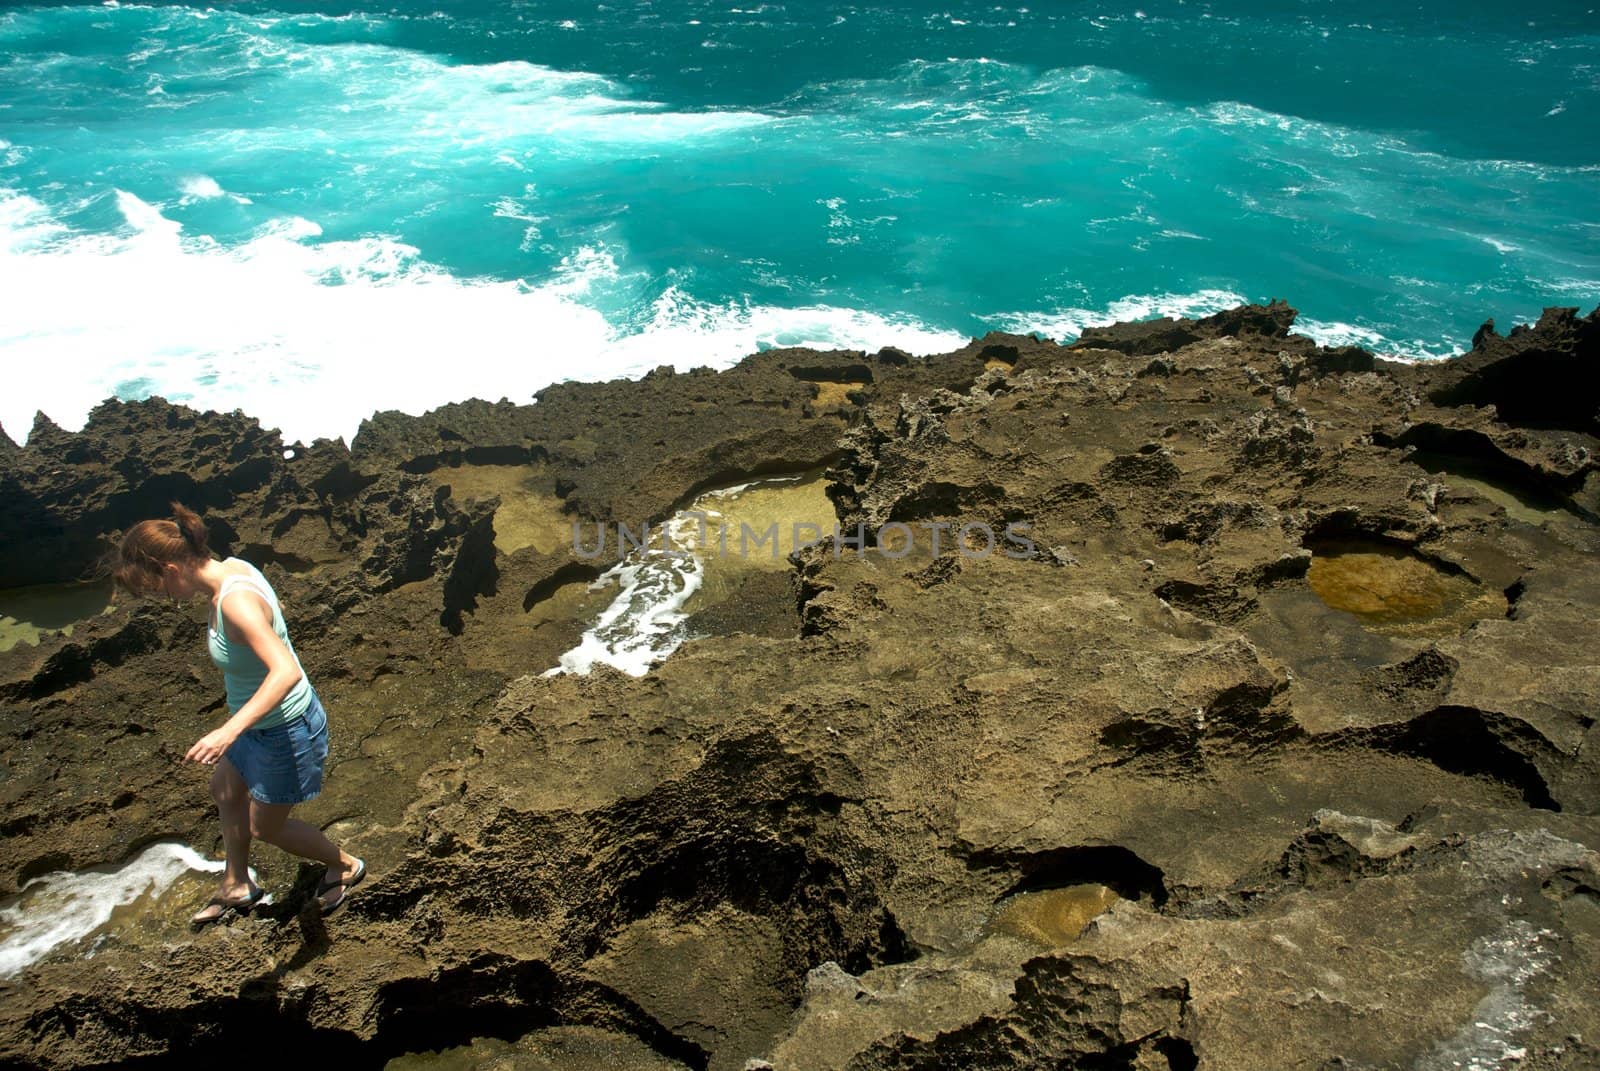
[[149, 546]]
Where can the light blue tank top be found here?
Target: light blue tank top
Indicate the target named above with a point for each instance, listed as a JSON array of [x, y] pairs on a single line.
[[242, 670]]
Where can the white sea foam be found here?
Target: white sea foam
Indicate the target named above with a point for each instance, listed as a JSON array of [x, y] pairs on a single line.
[[734, 489], [644, 622], [686, 332], [63, 907], [200, 187], [312, 337], [1064, 325], [1336, 333], [25, 224]]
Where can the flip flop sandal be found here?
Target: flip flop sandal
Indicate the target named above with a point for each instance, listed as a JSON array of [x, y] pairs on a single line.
[[347, 884], [230, 909]]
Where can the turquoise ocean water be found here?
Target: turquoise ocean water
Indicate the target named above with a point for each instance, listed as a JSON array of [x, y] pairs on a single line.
[[311, 211]]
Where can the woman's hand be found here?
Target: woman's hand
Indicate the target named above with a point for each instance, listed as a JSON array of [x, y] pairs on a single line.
[[209, 748]]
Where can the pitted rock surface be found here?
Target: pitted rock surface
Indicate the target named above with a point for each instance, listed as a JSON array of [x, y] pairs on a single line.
[[1338, 837]]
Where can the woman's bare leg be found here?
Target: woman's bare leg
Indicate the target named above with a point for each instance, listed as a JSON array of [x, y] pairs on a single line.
[[271, 822], [233, 808]]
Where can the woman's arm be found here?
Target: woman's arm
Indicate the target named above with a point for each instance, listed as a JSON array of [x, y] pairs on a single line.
[[251, 622]]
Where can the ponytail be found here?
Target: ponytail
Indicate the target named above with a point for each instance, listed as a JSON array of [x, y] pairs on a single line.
[[193, 530], [150, 546]]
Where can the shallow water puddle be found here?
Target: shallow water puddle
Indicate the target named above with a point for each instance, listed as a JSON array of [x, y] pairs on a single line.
[[1051, 918], [1519, 503], [790, 504], [1392, 589], [714, 541], [530, 511], [148, 899], [28, 614]]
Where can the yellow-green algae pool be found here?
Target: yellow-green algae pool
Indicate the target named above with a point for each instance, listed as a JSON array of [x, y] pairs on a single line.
[[1051, 918], [31, 613], [1394, 590]]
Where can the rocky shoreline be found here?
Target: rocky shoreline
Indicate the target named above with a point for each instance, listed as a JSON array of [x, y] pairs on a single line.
[[1302, 676]]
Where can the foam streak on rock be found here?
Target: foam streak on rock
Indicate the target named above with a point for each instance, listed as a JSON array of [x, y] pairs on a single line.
[[60, 908]]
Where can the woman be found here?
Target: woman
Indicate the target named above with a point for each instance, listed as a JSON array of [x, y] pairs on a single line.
[[269, 754]]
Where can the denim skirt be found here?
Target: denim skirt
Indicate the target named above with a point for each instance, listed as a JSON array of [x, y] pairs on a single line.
[[283, 763]]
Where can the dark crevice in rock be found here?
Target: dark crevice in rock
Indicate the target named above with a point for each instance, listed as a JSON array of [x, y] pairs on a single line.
[[154, 495], [1180, 1054], [1202, 522], [1335, 849], [1113, 866], [1469, 452], [844, 373], [1342, 529], [768, 876], [287, 522], [748, 872], [939, 499], [431, 538], [472, 455], [341, 482], [1514, 593], [1468, 741], [45, 864], [1320, 857], [224, 1031], [495, 996], [751, 831], [570, 573], [1514, 373], [1285, 569], [1137, 1056], [1000, 352], [491, 996], [222, 537], [769, 860], [472, 570]]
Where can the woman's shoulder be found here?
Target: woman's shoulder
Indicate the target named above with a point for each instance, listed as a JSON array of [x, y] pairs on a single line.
[[239, 568], [241, 574]]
